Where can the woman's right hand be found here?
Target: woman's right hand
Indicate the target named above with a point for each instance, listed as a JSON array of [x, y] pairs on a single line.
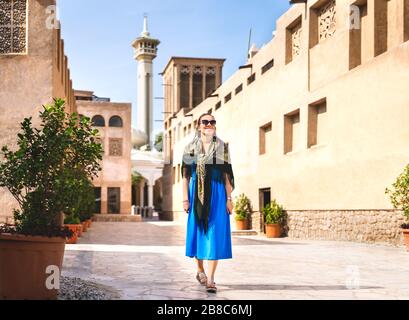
[[186, 206]]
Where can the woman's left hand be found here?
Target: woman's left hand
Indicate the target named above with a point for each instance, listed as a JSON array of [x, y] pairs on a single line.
[[229, 206]]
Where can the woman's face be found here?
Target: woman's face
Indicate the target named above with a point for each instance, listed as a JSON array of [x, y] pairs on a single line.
[[207, 125]]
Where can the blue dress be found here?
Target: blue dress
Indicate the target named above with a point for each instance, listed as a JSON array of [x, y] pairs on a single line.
[[216, 243]]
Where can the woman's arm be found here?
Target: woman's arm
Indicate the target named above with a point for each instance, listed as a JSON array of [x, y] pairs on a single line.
[[185, 183], [229, 202], [228, 186]]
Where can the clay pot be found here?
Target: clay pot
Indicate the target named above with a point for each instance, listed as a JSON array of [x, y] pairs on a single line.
[[24, 262], [79, 230], [84, 226], [273, 230], [241, 225], [89, 223], [74, 237], [406, 238]]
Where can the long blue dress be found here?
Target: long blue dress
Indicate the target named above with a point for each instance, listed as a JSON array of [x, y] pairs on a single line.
[[216, 244]]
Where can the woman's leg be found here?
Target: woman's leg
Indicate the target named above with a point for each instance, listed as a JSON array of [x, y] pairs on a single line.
[[212, 270], [200, 267]]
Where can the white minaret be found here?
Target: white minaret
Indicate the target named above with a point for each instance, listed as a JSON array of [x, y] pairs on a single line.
[[145, 52]]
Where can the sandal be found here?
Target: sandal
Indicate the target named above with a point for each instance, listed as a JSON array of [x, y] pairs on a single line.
[[211, 287], [201, 277]]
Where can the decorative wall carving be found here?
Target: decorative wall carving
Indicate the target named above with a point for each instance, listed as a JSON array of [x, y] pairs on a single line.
[[115, 146], [327, 20], [211, 70], [197, 70], [13, 26], [296, 40], [185, 70]]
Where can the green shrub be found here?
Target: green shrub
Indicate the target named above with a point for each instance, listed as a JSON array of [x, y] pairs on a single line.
[[72, 219], [242, 207], [399, 195], [80, 196], [273, 213]]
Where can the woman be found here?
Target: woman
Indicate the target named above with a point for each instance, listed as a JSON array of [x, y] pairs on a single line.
[[207, 185]]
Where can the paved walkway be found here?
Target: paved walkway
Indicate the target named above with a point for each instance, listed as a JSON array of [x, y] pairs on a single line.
[[146, 261]]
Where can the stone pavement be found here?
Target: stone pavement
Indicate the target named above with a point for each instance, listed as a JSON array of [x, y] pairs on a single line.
[[146, 260]]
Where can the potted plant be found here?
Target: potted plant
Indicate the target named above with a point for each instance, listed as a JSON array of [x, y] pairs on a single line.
[[72, 222], [36, 174], [86, 202], [273, 217], [242, 208], [400, 200]]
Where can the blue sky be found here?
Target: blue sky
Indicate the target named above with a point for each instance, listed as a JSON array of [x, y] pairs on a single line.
[[98, 36]]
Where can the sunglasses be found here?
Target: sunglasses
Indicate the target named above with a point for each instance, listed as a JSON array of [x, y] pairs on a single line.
[[206, 122]]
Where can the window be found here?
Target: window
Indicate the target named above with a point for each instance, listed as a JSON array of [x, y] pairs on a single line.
[[115, 121], [317, 123], [251, 79], [227, 98], [264, 134], [209, 111], [173, 175], [197, 85], [267, 66], [178, 172], [218, 105], [97, 193], [322, 21], [114, 200], [238, 89], [98, 121], [13, 26], [293, 40], [359, 35], [291, 131], [210, 80], [184, 87], [115, 147]]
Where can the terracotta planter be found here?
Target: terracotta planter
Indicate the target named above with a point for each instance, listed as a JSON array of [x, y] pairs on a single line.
[[24, 260], [74, 237], [84, 226], [88, 223], [79, 230], [273, 230], [406, 238], [241, 225]]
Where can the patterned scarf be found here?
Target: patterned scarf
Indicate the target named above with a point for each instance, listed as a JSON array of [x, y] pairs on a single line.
[[217, 154]]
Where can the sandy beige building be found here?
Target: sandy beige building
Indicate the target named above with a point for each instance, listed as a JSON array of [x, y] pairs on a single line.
[[33, 70], [316, 118], [113, 185]]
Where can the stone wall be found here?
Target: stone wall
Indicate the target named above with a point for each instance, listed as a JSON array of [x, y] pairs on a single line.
[[380, 226], [256, 222]]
